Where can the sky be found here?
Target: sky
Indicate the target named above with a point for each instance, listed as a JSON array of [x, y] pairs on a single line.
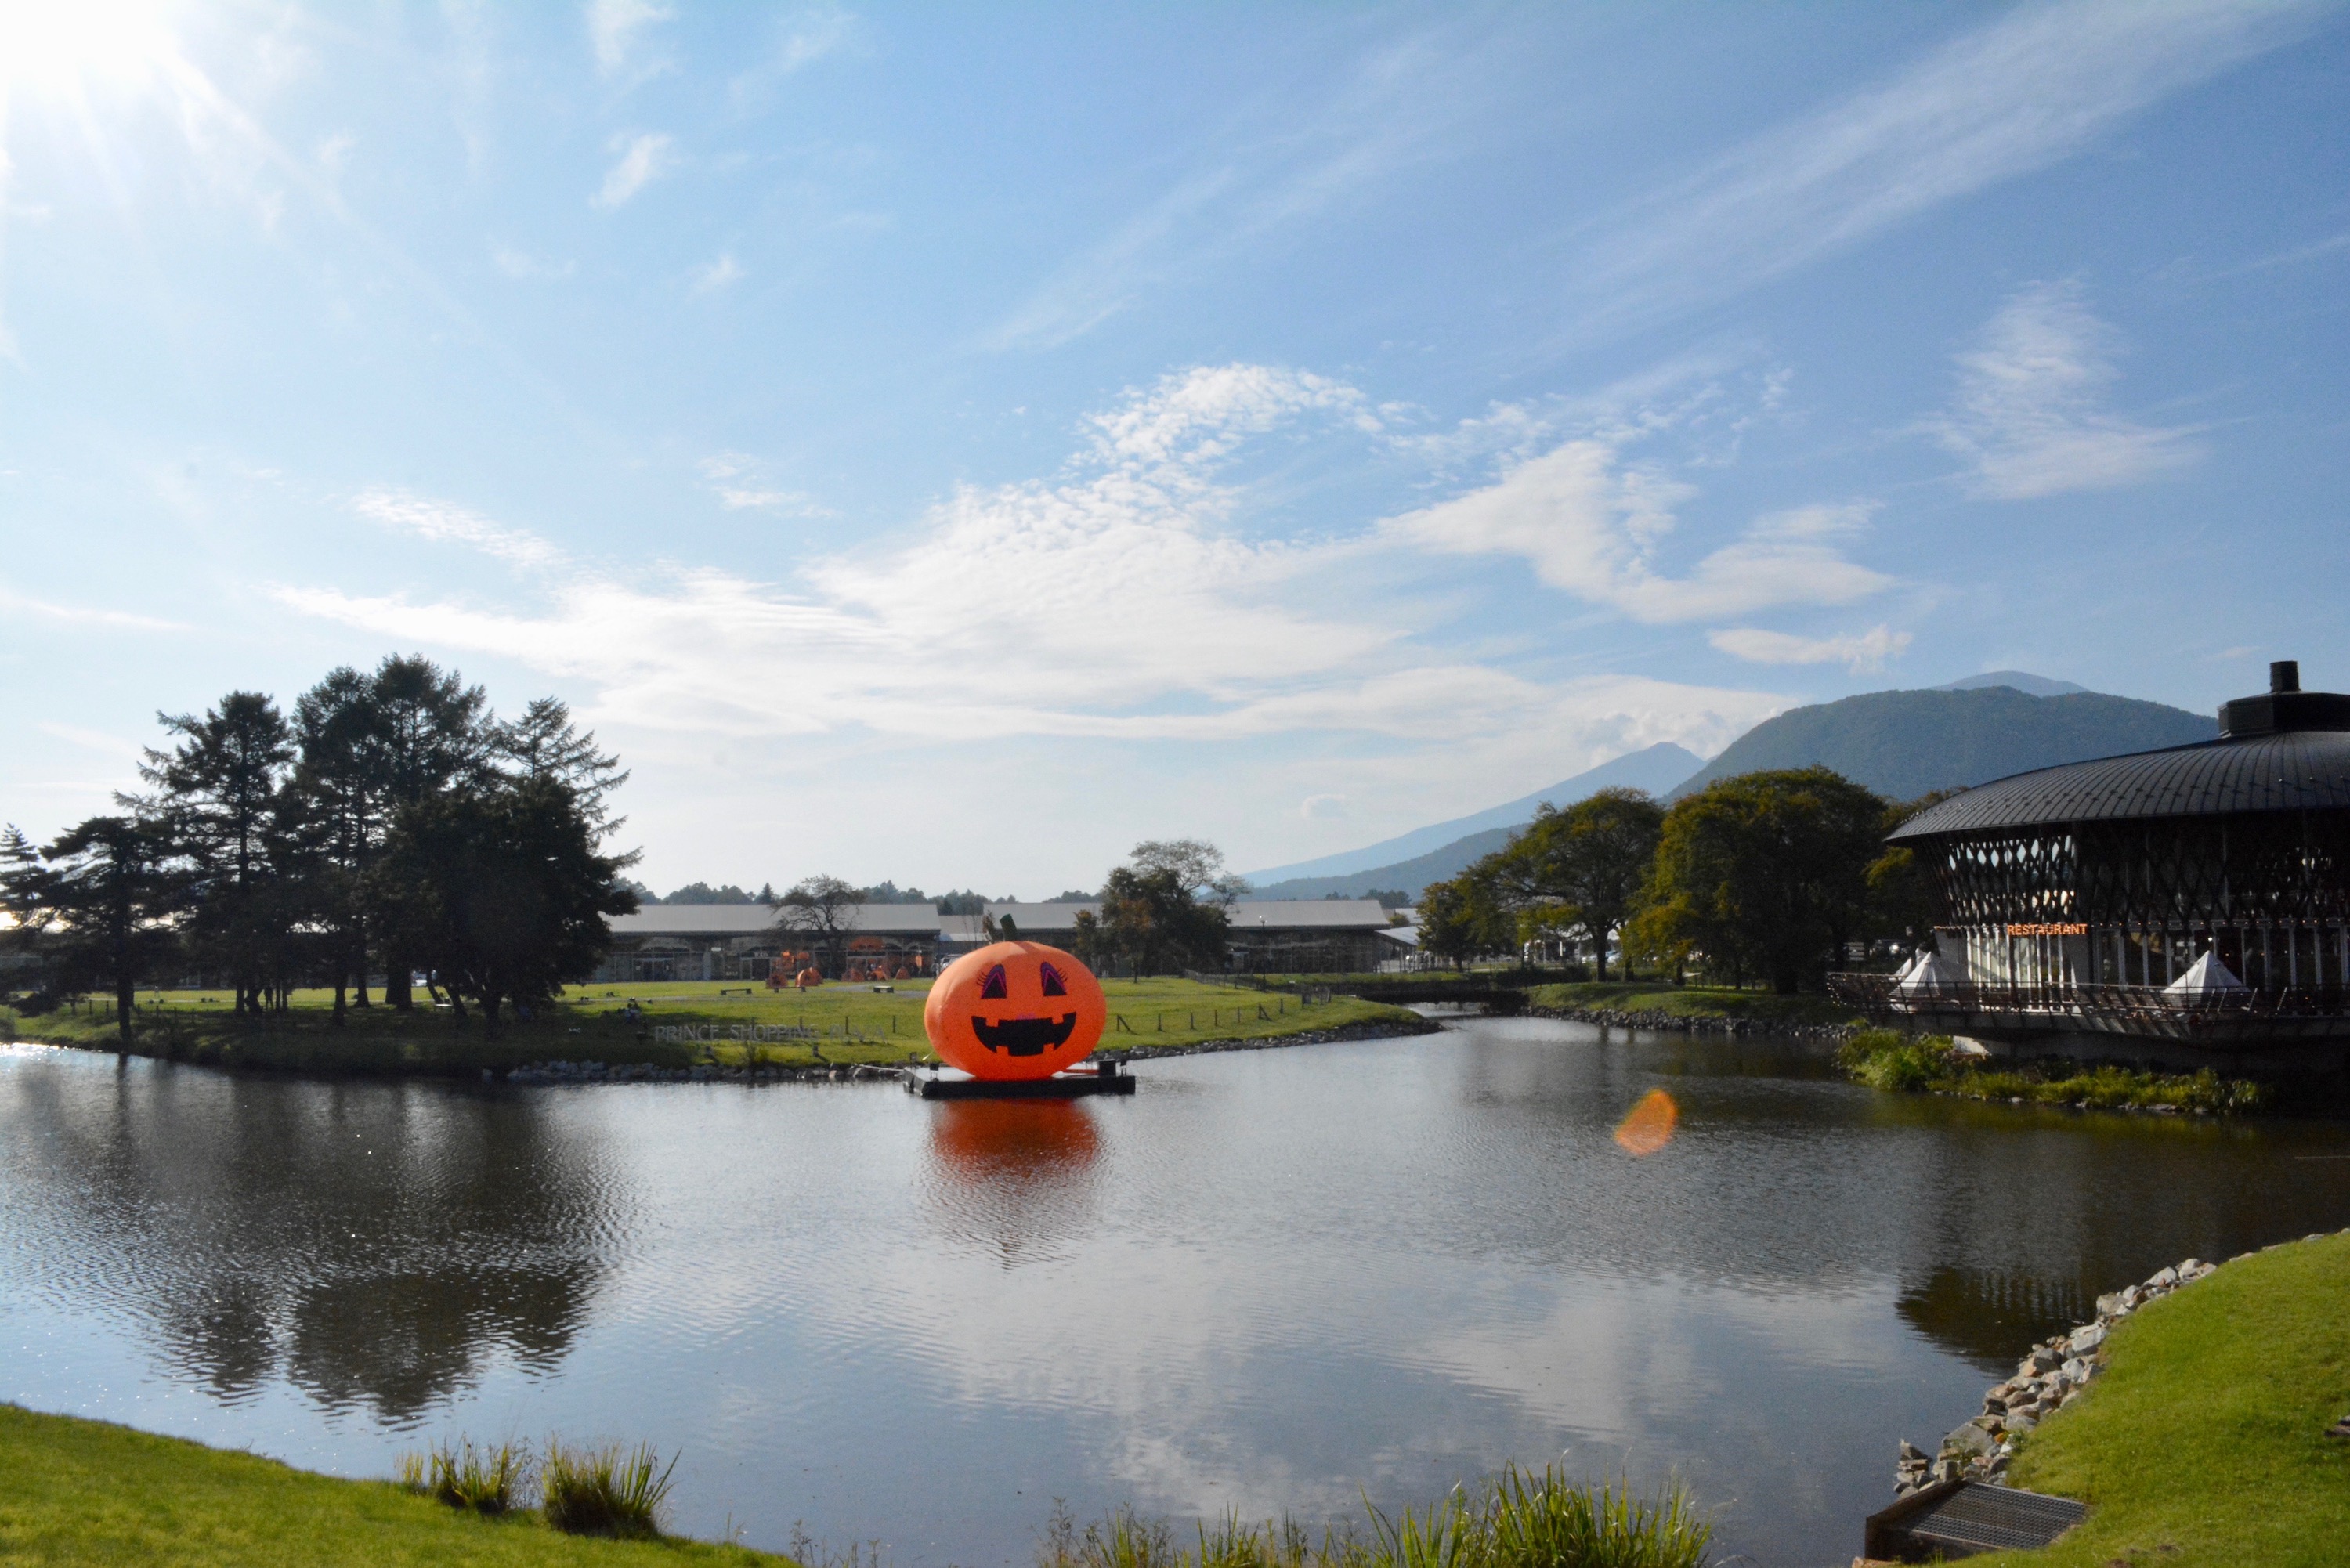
[[950, 445]]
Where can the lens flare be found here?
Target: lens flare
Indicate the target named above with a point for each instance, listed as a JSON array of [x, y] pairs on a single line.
[[1650, 1126]]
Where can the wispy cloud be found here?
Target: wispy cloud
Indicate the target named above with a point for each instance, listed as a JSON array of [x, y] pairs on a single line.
[[643, 159], [739, 482], [1591, 525], [83, 614], [2030, 413], [2037, 86], [444, 524], [614, 27], [716, 275], [1011, 613], [1251, 179], [1859, 652]]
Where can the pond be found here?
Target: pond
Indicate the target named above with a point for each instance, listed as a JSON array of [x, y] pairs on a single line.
[[1271, 1282]]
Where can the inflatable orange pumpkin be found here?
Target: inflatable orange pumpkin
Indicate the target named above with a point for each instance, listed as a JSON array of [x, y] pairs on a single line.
[[1015, 1010], [809, 980]]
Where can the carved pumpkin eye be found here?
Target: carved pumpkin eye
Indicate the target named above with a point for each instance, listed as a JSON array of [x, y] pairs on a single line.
[[1051, 979], [992, 988]]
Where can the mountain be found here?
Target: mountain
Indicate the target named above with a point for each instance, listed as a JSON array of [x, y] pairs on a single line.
[[1409, 876], [2030, 685], [1904, 743], [1656, 769]]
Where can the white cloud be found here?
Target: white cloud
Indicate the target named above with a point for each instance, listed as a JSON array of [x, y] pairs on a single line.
[[333, 153], [643, 159], [1860, 652], [812, 34], [444, 524], [1591, 525], [2035, 87], [713, 275], [613, 27], [1014, 612], [2029, 412], [1323, 807]]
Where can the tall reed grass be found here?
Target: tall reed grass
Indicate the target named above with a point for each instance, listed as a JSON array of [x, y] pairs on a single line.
[[604, 1492], [492, 1479], [1518, 1519]]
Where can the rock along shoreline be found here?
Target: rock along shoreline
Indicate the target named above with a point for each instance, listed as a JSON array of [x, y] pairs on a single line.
[[2055, 1373], [584, 1073]]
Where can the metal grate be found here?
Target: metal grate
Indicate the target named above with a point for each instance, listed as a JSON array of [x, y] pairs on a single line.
[[1976, 1518]]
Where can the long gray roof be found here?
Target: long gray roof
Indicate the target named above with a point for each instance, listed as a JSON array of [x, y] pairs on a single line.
[[2301, 770]]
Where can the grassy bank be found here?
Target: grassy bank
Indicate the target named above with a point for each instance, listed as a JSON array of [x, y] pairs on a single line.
[[675, 1025], [1762, 1007], [84, 1491], [1929, 1064], [2204, 1441]]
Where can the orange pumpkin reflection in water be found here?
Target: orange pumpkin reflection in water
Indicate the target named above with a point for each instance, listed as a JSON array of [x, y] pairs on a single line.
[[1013, 1010]]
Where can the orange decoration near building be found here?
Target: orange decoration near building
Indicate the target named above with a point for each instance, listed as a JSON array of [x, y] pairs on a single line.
[[809, 980], [1013, 1010], [1650, 1126]]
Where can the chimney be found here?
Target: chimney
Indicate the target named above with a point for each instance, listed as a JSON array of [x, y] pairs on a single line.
[[2284, 675]]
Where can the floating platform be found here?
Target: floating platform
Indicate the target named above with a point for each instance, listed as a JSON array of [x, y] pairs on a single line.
[[1105, 1079], [1960, 1517]]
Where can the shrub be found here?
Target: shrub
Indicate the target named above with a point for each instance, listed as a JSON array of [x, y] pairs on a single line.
[[605, 1490]]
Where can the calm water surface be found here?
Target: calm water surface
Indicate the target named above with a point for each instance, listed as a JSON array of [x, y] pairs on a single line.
[[1272, 1281]]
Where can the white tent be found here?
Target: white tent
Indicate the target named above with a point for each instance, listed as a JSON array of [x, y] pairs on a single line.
[[2207, 979], [1929, 976]]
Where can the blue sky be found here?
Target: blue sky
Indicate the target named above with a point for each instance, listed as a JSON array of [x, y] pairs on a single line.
[[949, 444]]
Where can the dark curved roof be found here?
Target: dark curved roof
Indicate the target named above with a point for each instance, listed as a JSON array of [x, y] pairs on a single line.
[[2301, 770]]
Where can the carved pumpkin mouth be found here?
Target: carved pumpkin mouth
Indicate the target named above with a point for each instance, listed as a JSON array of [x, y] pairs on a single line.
[[1024, 1037]]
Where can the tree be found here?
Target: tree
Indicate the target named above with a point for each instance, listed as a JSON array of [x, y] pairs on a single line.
[[543, 743], [97, 904], [500, 890], [222, 804], [1464, 918], [434, 738], [1766, 873], [340, 771], [1581, 868], [1197, 867], [1153, 922], [822, 910]]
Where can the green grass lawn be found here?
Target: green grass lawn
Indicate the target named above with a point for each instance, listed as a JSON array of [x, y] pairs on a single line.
[[84, 1491], [1690, 1002], [849, 1022], [2204, 1442]]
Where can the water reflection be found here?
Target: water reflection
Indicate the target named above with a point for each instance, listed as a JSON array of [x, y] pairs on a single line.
[[1271, 1281], [376, 1247], [1011, 1176]]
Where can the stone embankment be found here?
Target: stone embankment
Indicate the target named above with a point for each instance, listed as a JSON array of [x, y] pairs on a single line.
[[1686, 1024], [838, 1072], [2051, 1377]]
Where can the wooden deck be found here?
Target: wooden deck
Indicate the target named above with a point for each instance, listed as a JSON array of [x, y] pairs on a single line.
[[1961, 1518], [1105, 1079]]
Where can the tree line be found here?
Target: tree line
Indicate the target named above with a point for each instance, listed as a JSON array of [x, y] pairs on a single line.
[[1765, 876], [391, 824]]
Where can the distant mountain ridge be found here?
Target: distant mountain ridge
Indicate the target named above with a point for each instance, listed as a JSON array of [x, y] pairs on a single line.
[[1901, 744], [1653, 768], [1904, 743]]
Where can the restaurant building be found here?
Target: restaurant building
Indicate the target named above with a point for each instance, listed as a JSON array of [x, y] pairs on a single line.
[[2198, 895]]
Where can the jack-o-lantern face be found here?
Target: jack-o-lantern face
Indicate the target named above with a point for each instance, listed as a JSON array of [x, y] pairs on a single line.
[[1015, 1010]]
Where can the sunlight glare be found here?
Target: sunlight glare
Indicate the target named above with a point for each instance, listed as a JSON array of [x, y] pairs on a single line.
[[61, 46], [1650, 1126]]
